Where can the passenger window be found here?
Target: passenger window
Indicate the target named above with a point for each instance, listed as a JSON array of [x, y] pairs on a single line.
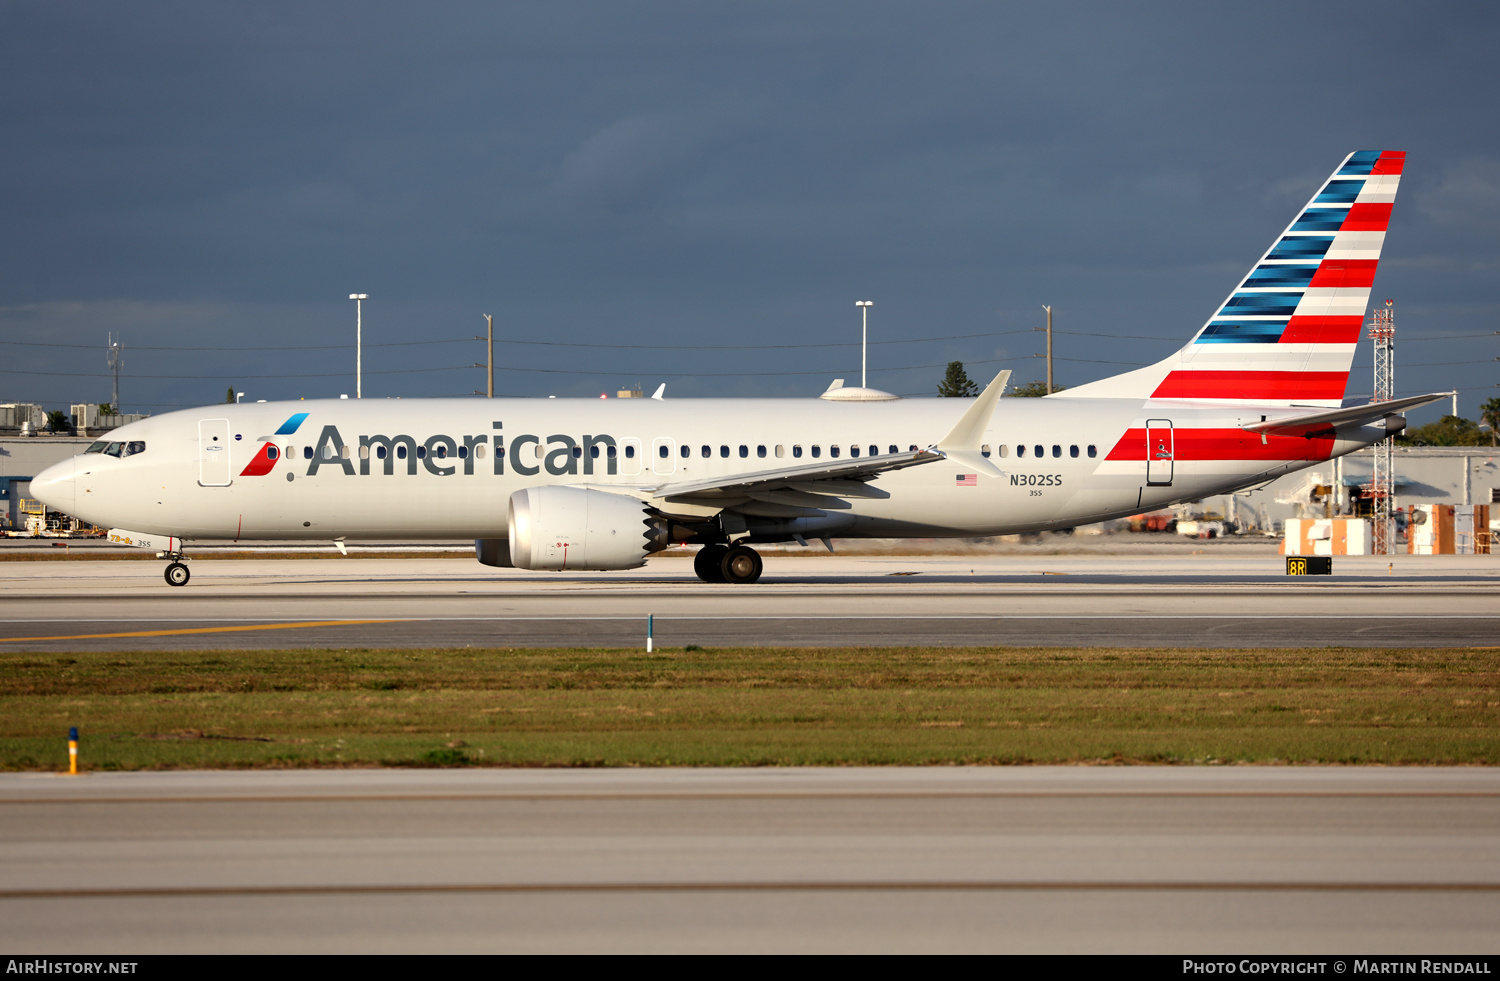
[[1073, 452], [463, 452], [400, 451], [611, 451], [271, 453], [364, 452], [593, 452], [1004, 450], [687, 451], [630, 452], [760, 451], [724, 451], [707, 452], [578, 452], [662, 451], [984, 450], [1020, 449], [291, 453], [832, 451], [1056, 450], [421, 453], [913, 447], [854, 451], [380, 452], [874, 450], [796, 451], [307, 453], [479, 452], [895, 448], [1092, 451], [328, 451], [780, 451], [817, 451], [1039, 450], [744, 451], [344, 451], [499, 452]]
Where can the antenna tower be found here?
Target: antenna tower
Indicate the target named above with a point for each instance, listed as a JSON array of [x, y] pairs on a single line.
[[116, 362], [1382, 328]]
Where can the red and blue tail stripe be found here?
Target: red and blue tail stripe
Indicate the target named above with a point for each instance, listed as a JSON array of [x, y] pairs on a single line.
[[1287, 333]]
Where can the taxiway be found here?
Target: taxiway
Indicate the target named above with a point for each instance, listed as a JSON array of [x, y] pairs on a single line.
[[1183, 600]]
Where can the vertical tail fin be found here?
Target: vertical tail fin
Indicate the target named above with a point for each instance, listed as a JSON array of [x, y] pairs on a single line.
[[1287, 333]]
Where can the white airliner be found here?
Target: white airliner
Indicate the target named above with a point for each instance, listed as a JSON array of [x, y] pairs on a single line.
[[575, 484]]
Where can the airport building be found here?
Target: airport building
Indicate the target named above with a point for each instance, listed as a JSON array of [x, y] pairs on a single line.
[[27, 447]]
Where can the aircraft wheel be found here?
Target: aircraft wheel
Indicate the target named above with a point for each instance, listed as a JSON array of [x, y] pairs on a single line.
[[177, 574], [741, 565], [706, 563]]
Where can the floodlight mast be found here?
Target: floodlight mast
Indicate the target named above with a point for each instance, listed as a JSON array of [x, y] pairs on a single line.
[[359, 343], [864, 337]]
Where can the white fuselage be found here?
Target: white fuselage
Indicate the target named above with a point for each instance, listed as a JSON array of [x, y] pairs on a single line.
[[446, 479]]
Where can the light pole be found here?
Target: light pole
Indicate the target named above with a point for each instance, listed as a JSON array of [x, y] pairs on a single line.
[[489, 384], [1049, 347], [359, 343], [864, 336]]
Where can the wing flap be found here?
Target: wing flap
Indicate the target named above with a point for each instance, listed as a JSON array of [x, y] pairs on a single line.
[[856, 469]]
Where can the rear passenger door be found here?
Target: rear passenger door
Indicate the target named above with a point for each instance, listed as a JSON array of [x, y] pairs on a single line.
[[1160, 453]]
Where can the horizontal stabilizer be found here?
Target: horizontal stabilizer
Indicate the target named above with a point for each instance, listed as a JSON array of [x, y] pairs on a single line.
[[1354, 415]]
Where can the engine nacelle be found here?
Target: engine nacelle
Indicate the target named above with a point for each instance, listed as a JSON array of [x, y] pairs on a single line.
[[556, 528]]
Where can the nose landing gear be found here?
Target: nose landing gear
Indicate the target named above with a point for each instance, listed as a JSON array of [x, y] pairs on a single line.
[[176, 573]]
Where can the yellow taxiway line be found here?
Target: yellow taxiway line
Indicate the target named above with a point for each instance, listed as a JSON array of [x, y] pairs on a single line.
[[202, 630]]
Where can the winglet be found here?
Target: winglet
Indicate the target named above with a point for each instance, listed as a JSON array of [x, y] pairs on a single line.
[[660, 392], [962, 442]]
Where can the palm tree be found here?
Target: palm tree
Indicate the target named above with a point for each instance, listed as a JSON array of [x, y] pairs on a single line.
[[1489, 413]]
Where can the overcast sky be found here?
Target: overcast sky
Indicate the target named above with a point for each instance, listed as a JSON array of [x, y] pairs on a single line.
[[709, 188]]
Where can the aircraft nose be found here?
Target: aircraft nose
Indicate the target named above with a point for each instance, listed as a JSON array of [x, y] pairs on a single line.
[[55, 486]]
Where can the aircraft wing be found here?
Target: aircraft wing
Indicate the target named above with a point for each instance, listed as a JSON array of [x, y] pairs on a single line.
[[797, 489], [1315, 423], [812, 488]]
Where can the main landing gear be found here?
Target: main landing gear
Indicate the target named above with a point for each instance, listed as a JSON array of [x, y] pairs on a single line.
[[728, 563]]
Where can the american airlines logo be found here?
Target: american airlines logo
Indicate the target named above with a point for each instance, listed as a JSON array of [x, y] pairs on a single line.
[[443, 455]]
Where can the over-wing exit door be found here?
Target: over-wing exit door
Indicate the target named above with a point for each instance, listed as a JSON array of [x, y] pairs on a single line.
[[1160, 452]]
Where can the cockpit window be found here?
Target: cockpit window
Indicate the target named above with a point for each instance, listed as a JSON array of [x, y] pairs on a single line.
[[117, 448]]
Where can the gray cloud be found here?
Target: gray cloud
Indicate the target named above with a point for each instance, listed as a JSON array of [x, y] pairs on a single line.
[[679, 174]]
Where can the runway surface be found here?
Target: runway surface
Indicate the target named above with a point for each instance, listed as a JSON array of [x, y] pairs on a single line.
[[1186, 860], [1182, 600]]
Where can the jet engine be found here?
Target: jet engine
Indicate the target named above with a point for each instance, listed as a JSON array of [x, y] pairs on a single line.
[[556, 528]]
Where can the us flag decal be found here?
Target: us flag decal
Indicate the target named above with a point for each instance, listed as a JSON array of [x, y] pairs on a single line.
[[968, 480]]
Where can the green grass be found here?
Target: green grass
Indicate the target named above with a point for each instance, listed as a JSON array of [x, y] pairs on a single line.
[[747, 707]]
